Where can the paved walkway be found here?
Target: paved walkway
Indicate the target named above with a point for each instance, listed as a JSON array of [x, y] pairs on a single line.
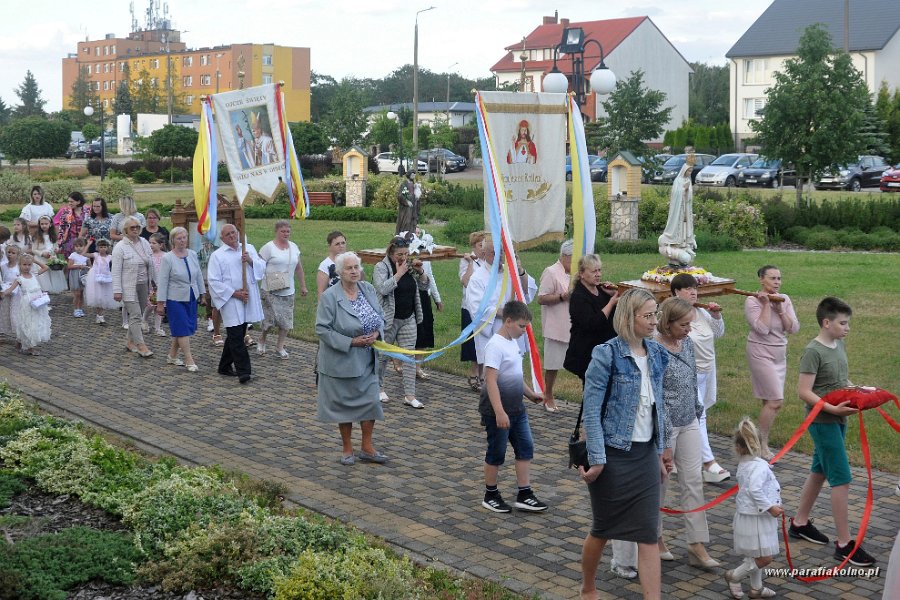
[[427, 500]]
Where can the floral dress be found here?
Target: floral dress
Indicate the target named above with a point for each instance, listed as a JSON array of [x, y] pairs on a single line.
[[68, 224]]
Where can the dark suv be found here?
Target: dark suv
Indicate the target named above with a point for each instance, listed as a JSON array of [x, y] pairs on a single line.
[[670, 168], [443, 160], [866, 172]]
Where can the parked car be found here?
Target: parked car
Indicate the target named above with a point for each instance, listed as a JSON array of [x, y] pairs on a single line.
[[890, 179], [651, 165], [76, 150], [598, 167], [723, 171], [443, 160], [92, 150], [866, 172], [768, 172], [388, 162], [669, 169]]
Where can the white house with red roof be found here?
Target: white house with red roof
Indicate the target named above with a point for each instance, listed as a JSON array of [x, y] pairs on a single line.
[[629, 44]]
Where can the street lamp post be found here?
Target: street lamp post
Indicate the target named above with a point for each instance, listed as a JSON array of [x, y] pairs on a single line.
[[416, 81], [602, 80], [89, 112], [218, 74], [395, 117], [448, 91]]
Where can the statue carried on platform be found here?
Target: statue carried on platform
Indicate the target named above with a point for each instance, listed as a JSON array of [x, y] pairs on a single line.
[[677, 243]]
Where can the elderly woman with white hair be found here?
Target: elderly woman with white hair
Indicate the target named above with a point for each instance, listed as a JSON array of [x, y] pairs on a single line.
[[553, 296], [349, 319], [131, 274], [127, 208], [179, 288]]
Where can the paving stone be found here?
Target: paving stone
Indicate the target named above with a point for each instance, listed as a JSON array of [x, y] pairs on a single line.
[[426, 501]]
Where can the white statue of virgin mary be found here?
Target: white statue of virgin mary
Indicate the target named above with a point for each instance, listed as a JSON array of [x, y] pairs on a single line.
[[677, 243]]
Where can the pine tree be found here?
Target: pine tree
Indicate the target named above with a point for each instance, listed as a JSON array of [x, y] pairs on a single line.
[[30, 95], [873, 132], [5, 113], [124, 104], [82, 95]]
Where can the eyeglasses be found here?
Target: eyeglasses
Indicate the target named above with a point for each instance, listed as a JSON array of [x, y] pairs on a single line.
[[653, 316], [134, 227]]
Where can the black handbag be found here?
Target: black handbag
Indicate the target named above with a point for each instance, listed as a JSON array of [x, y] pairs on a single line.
[[578, 456]]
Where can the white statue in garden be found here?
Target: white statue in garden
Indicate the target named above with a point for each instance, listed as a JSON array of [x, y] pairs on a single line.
[[677, 243]]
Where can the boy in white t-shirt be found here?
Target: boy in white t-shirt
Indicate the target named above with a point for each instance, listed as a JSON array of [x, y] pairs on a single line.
[[503, 411]]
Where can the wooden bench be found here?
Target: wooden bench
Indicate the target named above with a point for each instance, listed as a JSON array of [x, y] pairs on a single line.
[[321, 198]]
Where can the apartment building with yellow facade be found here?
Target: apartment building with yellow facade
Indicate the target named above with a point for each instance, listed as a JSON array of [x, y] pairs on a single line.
[[193, 72]]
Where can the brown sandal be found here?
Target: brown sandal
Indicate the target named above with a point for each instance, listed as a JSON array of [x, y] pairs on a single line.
[[475, 383]]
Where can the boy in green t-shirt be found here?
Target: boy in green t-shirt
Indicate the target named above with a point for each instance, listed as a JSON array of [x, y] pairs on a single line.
[[823, 369]]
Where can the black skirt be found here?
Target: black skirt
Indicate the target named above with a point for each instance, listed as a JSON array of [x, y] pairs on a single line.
[[425, 329], [625, 497], [467, 350]]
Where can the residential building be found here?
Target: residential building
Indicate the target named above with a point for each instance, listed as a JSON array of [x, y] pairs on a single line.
[[162, 55], [628, 44], [874, 46], [461, 113]]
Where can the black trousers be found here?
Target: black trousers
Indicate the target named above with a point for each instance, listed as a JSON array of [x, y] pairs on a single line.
[[235, 351]]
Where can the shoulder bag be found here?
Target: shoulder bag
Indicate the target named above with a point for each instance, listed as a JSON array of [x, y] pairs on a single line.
[[279, 280]]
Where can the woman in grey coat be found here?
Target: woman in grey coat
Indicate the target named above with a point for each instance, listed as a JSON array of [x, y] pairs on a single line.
[[398, 279], [348, 321], [179, 288]]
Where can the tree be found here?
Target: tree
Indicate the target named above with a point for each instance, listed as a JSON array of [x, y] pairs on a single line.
[[874, 132], [888, 109], [309, 138], [34, 137], [383, 131], [345, 122], [148, 95], [172, 141], [708, 94], [82, 95], [32, 105], [635, 114], [815, 108], [5, 113], [90, 131], [124, 103]]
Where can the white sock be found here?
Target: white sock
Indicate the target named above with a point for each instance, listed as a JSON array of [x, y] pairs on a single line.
[[746, 568], [756, 578]]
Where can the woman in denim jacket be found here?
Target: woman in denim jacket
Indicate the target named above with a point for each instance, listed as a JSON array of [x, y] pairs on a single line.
[[624, 423]]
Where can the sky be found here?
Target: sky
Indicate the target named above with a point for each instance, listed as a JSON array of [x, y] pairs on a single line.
[[362, 38]]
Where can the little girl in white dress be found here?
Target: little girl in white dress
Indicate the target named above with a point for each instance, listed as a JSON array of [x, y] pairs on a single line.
[[30, 309], [98, 284]]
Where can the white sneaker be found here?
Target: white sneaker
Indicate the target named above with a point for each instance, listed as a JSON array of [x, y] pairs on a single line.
[[622, 571], [260, 349], [383, 397], [209, 325], [161, 333], [414, 403], [99, 320]]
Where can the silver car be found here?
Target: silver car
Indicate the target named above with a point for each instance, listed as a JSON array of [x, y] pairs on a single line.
[[723, 172], [389, 162]]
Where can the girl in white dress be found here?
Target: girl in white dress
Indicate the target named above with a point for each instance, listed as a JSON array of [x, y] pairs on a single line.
[[31, 318], [9, 270], [20, 236], [98, 284], [755, 523], [43, 246]]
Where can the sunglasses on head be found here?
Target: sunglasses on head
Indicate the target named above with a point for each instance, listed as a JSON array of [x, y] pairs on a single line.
[[400, 242]]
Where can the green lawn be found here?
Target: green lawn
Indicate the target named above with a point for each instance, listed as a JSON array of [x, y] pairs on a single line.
[[869, 282]]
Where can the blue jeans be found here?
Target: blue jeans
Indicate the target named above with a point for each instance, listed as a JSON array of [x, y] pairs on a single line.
[[518, 435]]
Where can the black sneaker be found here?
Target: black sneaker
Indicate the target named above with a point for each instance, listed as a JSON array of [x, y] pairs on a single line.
[[807, 532], [528, 502], [858, 557], [495, 503]]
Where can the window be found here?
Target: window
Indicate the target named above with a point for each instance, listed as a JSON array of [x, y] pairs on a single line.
[[87, 50], [154, 63], [266, 79], [154, 81], [756, 71], [113, 51], [96, 50], [189, 100], [267, 60], [90, 69], [106, 50], [205, 79], [753, 107], [97, 86], [204, 60], [106, 103], [122, 67], [106, 85], [188, 81], [106, 68], [188, 61]]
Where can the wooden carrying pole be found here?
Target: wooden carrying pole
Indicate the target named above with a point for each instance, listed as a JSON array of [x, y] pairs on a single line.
[[746, 293]]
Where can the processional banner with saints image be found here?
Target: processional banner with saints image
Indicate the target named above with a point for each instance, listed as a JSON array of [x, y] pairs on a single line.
[[528, 135]]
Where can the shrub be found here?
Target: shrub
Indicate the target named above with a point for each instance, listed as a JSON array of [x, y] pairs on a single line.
[[14, 188], [56, 192], [175, 174], [113, 189], [115, 173], [93, 166], [10, 485], [222, 173], [142, 175], [357, 573], [335, 185], [315, 165], [44, 567], [457, 230], [49, 174]]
